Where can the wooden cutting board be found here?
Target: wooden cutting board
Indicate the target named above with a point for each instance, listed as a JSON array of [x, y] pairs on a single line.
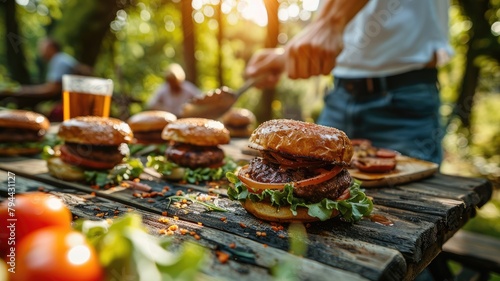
[[407, 170]]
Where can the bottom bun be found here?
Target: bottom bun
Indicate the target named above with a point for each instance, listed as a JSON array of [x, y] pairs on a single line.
[[265, 211], [61, 170], [14, 151]]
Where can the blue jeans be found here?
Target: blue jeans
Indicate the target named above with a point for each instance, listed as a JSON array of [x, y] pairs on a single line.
[[405, 119]]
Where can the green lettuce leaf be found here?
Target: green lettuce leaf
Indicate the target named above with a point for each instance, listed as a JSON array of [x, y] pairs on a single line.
[[351, 210], [128, 170], [165, 167]]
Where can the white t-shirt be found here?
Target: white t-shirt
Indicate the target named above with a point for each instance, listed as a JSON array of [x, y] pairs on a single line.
[[164, 99], [389, 37]]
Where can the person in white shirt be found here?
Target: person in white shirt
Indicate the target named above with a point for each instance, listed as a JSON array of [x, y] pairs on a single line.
[[383, 56], [174, 92]]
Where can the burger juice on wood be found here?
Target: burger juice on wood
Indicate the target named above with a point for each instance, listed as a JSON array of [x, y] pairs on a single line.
[[301, 176]]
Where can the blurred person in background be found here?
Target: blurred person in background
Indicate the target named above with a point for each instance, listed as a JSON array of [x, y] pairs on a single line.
[[174, 92], [58, 64], [383, 56]]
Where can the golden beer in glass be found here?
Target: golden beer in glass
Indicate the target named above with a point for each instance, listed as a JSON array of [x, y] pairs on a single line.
[[86, 96]]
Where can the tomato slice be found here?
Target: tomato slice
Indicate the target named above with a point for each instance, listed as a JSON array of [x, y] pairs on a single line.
[[324, 175], [375, 165], [76, 160], [386, 153]]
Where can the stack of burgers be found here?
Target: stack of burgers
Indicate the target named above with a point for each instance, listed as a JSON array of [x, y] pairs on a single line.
[[90, 143], [193, 148], [21, 132], [301, 176]]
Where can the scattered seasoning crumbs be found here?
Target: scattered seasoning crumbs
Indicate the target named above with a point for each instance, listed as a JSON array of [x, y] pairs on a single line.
[[164, 213], [282, 236], [200, 223], [163, 220], [116, 212], [197, 237], [183, 231], [179, 193], [232, 245], [173, 227], [137, 180], [41, 188], [151, 200], [243, 225], [223, 219], [184, 206], [97, 209], [264, 245], [92, 193], [124, 184], [75, 217], [94, 186], [192, 233], [130, 210], [176, 218], [166, 188], [170, 233], [222, 256]]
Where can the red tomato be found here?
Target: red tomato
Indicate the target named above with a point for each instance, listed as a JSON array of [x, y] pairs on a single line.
[[27, 213], [56, 254], [386, 153], [76, 160], [375, 165]]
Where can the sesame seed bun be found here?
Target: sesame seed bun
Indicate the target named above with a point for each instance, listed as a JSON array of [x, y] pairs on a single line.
[[196, 131], [153, 120], [239, 121], [301, 139], [95, 130], [23, 119]]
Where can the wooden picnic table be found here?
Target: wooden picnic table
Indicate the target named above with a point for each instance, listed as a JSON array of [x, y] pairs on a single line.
[[424, 215]]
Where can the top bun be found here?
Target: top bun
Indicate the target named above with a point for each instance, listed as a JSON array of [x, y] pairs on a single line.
[[23, 119], [238, 117], [196, 131], [95, 130], [301, 139], [154, 120]]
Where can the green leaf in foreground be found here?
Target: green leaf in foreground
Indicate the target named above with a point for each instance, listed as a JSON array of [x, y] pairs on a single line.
[[128, 252], [351, 210]]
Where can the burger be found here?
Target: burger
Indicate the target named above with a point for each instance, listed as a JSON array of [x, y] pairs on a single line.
[[193, 152], [301, 175], [239, 122], [22, 132], [147, 126], [91, 143]]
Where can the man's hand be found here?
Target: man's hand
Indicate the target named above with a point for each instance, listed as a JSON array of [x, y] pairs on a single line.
[[314, 51], [268, 64]]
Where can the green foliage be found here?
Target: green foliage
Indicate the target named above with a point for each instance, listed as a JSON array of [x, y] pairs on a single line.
[[128, 252]]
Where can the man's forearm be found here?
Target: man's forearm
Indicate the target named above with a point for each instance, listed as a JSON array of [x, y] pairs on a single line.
[[340, 12]]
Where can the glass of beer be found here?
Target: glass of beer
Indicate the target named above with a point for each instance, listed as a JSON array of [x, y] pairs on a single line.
[[86, 96]]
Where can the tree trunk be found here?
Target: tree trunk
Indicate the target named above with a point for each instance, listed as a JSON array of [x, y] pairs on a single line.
[[268, 95], [220, 36], [86, 35], [479, 34], [189, 41], [16, 61]]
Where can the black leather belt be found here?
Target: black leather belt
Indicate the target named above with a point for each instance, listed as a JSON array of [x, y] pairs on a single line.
[[381, 85]]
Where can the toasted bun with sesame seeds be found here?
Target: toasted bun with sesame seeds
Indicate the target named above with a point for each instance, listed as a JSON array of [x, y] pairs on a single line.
[[301, 139], [196, 131]]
